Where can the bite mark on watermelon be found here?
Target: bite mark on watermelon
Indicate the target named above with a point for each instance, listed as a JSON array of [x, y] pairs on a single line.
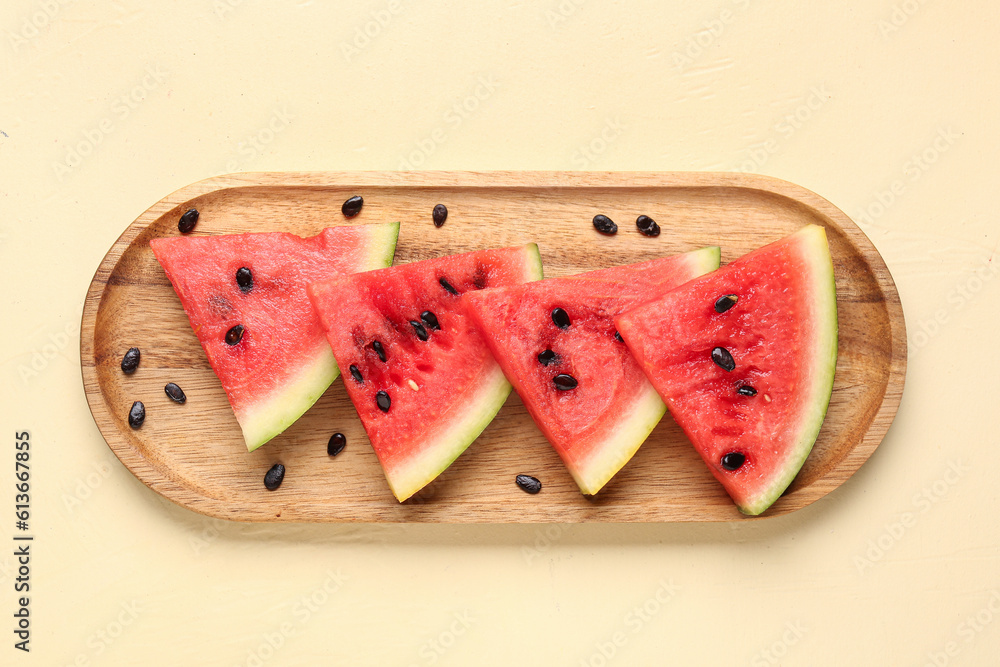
[[281, 364], [443, 387], [598, 425], [782, 335]]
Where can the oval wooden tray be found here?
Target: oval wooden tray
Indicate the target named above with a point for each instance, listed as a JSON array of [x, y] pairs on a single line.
[[194, 455]]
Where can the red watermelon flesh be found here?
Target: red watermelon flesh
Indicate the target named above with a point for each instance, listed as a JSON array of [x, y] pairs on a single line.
[[754, 425], [598, 425], [402, 337], [281, 364]]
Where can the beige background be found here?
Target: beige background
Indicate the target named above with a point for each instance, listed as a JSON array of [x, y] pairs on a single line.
[[887, 108]]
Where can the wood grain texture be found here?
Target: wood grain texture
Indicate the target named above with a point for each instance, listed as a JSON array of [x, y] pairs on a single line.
[[194, 454]]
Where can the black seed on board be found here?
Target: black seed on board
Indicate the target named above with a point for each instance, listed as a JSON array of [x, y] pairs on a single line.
[[379, 350], [175, 393], [528, 484], [647, 225], [419, 329], [733, 461], [618, 337], [352, 206], [725, 302], [130, 361], [188, 220], [560, 318], [723, 359], [546, 357], [564, 382], [439, 214], [136, 414], [605, 225], [244, 278], [430, 319], [447, 285], [356, 374], [746, 390], [336, 445], [234, 335], [274, 477], [383, 401]]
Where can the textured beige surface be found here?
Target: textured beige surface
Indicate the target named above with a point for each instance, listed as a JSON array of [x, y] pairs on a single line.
[[886, 108]]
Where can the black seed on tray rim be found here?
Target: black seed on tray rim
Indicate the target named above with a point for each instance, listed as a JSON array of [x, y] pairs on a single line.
[[564, 382], [234, 335], [136, 414], [175, 393], [188, 220], [352, 206], [647, 225], [746, 390], [379, 350], [356, 374], [528, 484], [723, 359], [430, 319], [383, 401], [605, 225], [274, 477], [447, 285], [560, 318], [725, 302], [336, 445], [546, 357], [419, 329], [244, 278], [439, 214], [733, 461], [130, 361]]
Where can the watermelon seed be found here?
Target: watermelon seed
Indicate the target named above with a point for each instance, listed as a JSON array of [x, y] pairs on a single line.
[[746, 390], [379, 350], [733, 461], [413, 385], [336, 445], [647, 225], [726, 302], [274, 477], [767, 398], [564, 382], [383, 401], [356, 374], [618, 337], [234, 335], [605, 225], [723, 359], [130, 361], [175, 393], [447, 285], [419, 329], [352, 206], [547, 357], [528, 484], [137, 414], [188, 220], [560, 318], [430, 319], [439, 214], [244, 278]]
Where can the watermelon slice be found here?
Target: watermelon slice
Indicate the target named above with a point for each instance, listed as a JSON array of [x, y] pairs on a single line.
[[744, 358], [597, 425], [245, 296], [421, 378]]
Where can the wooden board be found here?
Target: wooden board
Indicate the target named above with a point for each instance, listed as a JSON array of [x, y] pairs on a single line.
[[194, 454]]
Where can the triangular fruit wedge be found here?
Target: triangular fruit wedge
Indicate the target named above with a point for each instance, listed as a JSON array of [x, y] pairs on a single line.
[[418, 373], [556, 342], [245, 296], [744, 359]]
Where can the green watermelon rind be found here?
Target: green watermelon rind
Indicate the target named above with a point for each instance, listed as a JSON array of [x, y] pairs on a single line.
[[824, 367]]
